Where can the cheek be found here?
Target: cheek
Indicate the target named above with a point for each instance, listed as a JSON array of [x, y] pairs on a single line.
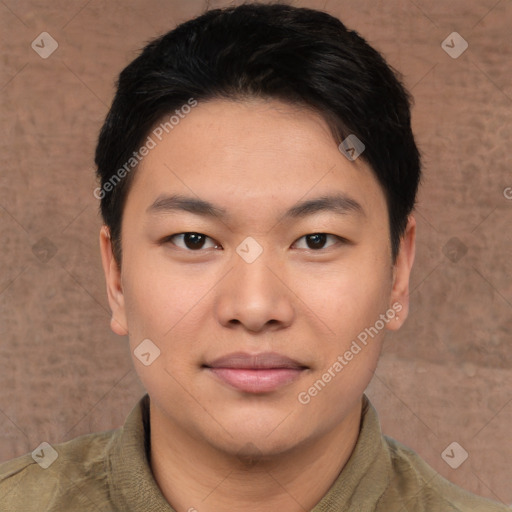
[[353, 303], [350, 297], [158, 295], [169, 306], [156, 309]]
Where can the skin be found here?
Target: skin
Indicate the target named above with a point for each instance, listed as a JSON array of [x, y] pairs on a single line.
[[213, 447]]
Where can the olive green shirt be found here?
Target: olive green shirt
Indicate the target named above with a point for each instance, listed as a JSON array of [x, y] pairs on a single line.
[[110, 472]]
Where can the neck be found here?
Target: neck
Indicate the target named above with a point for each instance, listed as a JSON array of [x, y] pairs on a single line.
[[195, 476]]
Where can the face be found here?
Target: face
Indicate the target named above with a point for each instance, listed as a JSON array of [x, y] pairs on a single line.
[[259, 302]]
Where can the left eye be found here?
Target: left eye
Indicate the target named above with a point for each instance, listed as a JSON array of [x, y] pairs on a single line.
[[192, 241], [316, 241]]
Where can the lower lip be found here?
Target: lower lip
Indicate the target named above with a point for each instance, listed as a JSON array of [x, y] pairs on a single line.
[[257, 381]]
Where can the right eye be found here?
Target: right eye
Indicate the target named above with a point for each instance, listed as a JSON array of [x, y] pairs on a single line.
[[191, 241]]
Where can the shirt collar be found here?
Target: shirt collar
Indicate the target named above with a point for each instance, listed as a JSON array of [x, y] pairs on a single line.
[[132, 484], [367, 473], [360, 484]]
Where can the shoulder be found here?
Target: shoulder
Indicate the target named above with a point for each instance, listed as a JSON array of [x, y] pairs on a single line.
[[70, 475], [425, 490]]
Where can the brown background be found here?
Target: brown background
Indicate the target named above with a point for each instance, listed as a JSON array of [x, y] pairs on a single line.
[[446, 376]]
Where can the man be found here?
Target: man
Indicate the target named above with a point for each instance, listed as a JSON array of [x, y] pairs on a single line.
[[257, 243]]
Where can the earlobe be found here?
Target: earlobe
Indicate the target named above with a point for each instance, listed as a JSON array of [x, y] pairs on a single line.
[[113, 280], [401, 275]]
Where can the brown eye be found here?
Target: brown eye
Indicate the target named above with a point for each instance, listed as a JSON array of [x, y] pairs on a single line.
[[316, 241], [192, 241]]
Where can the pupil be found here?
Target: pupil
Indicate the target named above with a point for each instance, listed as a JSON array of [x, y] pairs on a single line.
[[317, 239], [194, 240]]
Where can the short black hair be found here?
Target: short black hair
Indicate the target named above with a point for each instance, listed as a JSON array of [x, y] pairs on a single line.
[[301, 56]]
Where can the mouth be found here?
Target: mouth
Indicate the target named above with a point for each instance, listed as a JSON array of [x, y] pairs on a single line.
[[259, 373]]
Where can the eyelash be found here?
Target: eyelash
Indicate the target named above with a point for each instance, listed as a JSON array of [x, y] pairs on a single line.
[[170, 237]]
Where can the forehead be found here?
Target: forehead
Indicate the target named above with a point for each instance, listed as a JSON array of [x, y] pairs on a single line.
[[254, 154]]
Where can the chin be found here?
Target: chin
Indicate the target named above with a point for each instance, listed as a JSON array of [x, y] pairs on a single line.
[[253, 444], [251, 452]]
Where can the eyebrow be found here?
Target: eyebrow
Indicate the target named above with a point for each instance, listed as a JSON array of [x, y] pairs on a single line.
[[339, 204]]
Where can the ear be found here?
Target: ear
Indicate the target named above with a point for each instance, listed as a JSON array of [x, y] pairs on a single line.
[[115, 294], [401, 274]]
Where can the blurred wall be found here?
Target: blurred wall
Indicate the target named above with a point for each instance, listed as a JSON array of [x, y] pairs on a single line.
[[445, 377]]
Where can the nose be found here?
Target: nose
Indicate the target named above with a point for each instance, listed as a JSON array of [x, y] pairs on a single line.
[[255, 295]]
